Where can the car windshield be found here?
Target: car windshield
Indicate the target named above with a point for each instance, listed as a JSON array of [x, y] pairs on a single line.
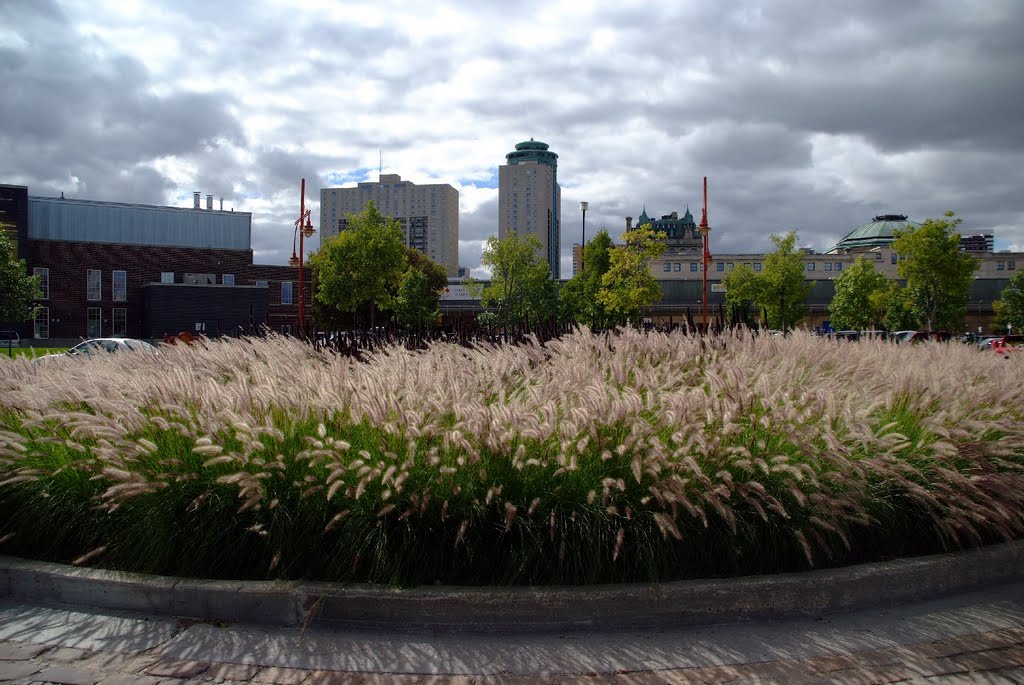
[[84, 347], [138, 345]]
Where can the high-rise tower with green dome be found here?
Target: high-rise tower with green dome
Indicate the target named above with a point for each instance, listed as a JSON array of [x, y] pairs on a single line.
[[530, 199]]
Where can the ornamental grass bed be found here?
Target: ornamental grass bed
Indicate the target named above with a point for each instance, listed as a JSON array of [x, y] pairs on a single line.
[[627, 457]]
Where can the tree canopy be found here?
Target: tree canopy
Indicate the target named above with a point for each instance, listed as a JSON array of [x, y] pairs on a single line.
[[579, 295], [17, 288], [628, 285], [419, 292], [779, 289], [856, 304], [1010, 305], [416, 305], [521, 291], [360, 269], [938, 274]]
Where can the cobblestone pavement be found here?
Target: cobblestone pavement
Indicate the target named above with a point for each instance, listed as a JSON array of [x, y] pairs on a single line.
[[972, 638], [990, 657]]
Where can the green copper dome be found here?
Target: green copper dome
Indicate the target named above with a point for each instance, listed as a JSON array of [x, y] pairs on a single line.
[[878, 233], [532, 151]]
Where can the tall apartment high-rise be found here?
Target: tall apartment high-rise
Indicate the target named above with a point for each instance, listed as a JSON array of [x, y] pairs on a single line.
[[428, 214], [530, 199]]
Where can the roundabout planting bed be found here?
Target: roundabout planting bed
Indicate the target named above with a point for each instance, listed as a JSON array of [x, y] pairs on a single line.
[[590, 459]]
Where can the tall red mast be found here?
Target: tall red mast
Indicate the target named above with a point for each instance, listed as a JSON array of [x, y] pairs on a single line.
[[303, 229], [704, 229]]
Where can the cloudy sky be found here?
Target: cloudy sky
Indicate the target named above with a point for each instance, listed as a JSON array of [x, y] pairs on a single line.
[[803, 115]]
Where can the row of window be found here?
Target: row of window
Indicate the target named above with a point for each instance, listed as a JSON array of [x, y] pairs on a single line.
[[94, 285], [729, 266], [697, 266], [1010, 265], [119, 285], [117, 324]]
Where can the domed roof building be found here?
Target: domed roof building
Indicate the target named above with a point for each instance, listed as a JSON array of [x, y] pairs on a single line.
[[880, 232]]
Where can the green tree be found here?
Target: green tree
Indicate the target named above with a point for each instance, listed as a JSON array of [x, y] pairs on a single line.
[[855, 304], [361, 268], [937, 273], [897, 310], [419, 292], [17, 288], [742, 291], [779, 289], [628, 286], [436, 275], [1009, 307], [521, 291], [416, 305], [579, 294]]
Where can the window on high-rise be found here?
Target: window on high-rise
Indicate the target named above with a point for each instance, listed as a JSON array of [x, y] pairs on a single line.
[[119, 286], [44, 282], [41, 325], [94, 322], [93, 285], [119, 327]]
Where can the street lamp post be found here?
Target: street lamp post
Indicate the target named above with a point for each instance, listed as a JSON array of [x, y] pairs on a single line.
[[704, 229], [303, 229], [583, 245]]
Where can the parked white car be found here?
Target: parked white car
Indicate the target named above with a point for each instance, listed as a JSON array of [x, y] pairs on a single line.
[[110, 345], [97, 345]]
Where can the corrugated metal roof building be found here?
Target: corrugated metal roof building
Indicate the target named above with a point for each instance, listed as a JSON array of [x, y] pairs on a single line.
[[57, 218]]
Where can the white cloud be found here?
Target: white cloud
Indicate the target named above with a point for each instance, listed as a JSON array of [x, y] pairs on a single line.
[[808, 116]]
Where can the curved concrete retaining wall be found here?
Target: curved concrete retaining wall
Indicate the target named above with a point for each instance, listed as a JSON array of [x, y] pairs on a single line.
[[509, 608]]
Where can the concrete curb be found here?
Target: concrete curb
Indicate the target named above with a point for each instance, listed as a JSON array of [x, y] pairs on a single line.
[[505, 609]]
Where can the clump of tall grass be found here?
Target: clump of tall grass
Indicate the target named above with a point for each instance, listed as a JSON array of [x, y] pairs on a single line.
[[589, 459]]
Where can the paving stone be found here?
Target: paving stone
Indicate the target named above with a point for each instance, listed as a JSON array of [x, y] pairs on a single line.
[[138, 663], [67, 675], [962, 679], [277, 675], [706, 674], [949, 647], [114, 662], [992, 659], [824, 664], [130, 679], [679, 676], [67, 654], [333, 678], [17, 651], [16, 670], [174, 668], [449, 680], [390, 679], [236, 672]]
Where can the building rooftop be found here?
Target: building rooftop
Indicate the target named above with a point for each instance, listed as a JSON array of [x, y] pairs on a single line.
[[879, 232]]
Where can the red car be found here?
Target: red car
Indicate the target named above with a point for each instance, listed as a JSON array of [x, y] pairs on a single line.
[[1007, 344]]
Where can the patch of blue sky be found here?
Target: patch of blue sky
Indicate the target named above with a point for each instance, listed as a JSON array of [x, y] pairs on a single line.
[[489, 182], [337, 178]]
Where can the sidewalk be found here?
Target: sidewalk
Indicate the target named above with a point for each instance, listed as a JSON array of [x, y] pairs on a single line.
[[969, 637], [973, 635]]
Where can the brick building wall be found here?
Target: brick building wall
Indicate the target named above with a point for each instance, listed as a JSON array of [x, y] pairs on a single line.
[[69, 262]]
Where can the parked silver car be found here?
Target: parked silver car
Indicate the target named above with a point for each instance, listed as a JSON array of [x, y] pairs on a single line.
[[110, 345], [97, 345]]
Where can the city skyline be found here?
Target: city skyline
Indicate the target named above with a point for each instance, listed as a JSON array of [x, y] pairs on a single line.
[[802, 116]]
